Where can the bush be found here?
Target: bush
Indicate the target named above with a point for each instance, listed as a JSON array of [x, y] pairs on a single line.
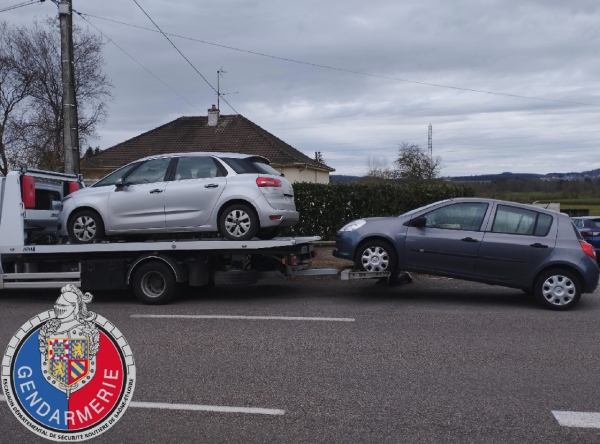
[[325, 208]]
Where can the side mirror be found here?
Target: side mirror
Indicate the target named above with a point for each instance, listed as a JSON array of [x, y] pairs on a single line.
[[119, 183], [418, 222]]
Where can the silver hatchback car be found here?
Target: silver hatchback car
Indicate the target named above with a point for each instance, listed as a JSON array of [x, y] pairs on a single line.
[[237, 195]]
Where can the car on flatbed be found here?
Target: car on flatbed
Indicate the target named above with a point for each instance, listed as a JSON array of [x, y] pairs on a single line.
[[236, 195], [484, 240]]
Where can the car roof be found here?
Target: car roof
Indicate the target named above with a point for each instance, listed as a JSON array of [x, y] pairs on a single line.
[[204, 154]]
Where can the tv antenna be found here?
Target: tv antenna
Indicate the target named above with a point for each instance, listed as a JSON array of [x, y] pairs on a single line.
[[220, 73]]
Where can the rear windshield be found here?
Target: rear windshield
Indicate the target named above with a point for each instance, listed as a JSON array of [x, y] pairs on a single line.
[[250, 166]]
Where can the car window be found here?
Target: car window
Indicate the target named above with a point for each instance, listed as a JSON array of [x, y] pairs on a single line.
[[578, 223], [513, 220], [460, 216], [577, 233], [150, 171], [241, 166], [196, 168], [594, 223], [113, 177], [265, 168]]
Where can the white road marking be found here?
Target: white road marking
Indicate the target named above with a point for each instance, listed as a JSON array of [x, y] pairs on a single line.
[[206, 408], [200, 408], [590, 420], [259, 318]]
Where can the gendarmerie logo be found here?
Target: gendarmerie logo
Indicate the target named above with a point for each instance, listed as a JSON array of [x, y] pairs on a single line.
[[68, 374]]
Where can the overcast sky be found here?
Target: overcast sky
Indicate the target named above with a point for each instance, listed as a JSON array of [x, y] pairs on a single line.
[[541, 48]]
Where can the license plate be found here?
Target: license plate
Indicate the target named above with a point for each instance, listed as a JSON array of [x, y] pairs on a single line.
[[289, 199]]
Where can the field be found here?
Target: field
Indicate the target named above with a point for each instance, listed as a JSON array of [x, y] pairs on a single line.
[[590, 203]]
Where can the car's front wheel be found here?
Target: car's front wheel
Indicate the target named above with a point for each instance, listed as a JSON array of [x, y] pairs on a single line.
[[557, 289], [85, 227], [376, 255], [238, 222]]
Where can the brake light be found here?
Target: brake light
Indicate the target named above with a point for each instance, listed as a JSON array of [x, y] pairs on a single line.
[[588, 249], [28, 191], [268, 182], [73, 186], [590, 233]]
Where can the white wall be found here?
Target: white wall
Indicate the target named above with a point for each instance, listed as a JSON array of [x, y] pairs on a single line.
[[294, 174]]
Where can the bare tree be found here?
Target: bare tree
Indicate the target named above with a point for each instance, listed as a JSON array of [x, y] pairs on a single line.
[[16, 83], [37, 125], [413, 163], [378, 168]]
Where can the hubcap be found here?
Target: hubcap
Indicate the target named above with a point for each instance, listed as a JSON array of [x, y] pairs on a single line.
[[153, 284], [375, 259], [558, 290], [237, 223], [84, 228]]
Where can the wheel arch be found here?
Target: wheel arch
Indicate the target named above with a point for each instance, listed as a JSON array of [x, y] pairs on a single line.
[[180, 272], [224, 205], [561, 266], [85, 208]]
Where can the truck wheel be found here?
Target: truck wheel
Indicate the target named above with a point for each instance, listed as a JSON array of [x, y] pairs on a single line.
[[236, 277], [557, 289], [154, 283], [376, 255], [85, 226], [268, 233], [238, 222]]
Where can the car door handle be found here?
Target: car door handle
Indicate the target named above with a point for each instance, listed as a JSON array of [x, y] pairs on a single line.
[[538, 245], [211, 185], [156, 191], [469, 239]]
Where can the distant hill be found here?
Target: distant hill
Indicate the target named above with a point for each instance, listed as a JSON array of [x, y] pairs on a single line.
[[340, 178]]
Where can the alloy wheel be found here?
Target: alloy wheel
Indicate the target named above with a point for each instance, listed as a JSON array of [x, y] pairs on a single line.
[[238, 223], [84, 228]]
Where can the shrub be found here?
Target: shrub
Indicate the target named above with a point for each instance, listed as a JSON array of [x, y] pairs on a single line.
[[325, 208]]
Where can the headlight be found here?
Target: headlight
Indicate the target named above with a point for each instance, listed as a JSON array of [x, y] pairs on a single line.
[[354, 225]]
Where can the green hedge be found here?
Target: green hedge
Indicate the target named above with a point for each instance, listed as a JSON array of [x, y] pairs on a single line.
[[324, 209]]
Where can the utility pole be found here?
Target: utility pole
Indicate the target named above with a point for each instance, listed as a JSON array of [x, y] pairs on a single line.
[[430, 142], [70, 122]]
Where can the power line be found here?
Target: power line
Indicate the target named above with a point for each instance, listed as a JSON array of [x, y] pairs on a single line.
[[317, 65], [20, 5], [136, 61], [182, 55]]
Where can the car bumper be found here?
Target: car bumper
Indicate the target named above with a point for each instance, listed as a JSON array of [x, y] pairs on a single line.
[[591, 273], [278, 218], [345, 244]]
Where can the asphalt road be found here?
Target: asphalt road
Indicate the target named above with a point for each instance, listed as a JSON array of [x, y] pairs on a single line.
[[434, 361]]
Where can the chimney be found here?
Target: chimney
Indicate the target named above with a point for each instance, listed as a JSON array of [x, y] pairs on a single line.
[[213, 116]]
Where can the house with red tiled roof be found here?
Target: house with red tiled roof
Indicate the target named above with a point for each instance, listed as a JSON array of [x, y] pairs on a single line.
[[214, 133]]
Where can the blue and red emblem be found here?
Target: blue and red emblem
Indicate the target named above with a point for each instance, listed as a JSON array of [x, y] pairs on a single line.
[[70, 374]]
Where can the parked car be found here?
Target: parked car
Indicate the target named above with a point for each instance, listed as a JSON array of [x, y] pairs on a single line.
[[484, 240], [589, 227], [237, 195]]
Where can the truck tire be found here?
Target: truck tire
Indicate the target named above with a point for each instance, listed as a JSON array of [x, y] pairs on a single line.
[[236, 277], [238, 222], [85, 227], [557, 289], [154, 283], [375, 255]]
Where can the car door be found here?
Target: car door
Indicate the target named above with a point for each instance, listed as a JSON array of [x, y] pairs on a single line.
[[517, 241], [450, 240], [140, 203], [191, 196]]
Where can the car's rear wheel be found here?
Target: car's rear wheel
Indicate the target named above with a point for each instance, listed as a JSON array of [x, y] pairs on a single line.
[[85, 227], [154, 283], [238, 222], [376, 255], [557, 289]]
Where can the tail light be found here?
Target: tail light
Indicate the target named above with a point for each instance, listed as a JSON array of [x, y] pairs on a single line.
[[590, 233], [73, 186], [28, 191], [268, 182], [588, 249]]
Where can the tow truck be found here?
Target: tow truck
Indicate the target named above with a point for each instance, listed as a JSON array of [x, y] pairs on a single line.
[[33, 256]]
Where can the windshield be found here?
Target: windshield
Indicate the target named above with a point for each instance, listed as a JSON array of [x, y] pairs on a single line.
[[113, 177], [416, 210]]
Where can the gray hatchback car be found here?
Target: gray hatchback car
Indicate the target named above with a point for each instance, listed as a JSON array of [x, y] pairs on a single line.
[[483, 240], [238, 195]]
